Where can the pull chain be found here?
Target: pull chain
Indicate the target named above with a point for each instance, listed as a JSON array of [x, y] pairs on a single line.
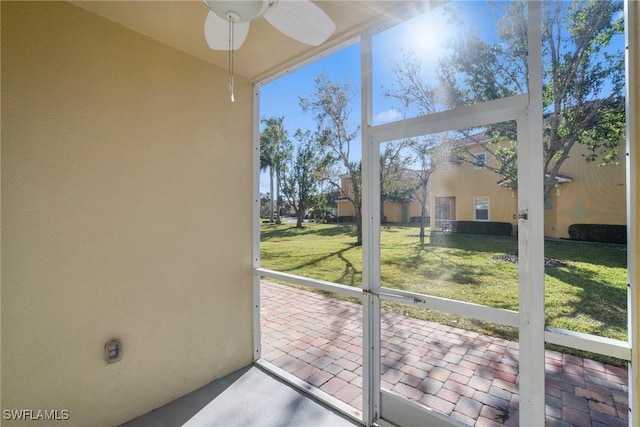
[[231, 36]]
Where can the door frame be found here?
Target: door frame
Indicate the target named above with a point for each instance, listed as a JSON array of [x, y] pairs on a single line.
[[439, 222], [526, 109], [530, 317]]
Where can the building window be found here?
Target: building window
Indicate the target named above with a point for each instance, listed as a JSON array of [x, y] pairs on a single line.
[[480, 159], [481, 208], [548, 203]]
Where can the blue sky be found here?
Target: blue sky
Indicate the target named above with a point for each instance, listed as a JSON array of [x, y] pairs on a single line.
[[424, 35]]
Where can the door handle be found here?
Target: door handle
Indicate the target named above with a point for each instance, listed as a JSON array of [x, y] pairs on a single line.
[[521, 215]]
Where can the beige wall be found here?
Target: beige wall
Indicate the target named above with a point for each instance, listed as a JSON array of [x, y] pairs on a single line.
[[393, 210], [345, 208], [466, 182], [597, 194], [119, 218]]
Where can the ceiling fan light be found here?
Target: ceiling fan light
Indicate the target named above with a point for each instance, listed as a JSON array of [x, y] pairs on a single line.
[[238, 10]]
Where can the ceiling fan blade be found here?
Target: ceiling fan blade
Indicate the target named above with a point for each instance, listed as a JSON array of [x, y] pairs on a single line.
[[301, 20], [216, 32]]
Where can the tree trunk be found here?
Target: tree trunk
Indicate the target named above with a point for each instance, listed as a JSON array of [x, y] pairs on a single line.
[[423, 209], [300, 216], [278, 219], [358, 219], [423, 217], [272, 195]]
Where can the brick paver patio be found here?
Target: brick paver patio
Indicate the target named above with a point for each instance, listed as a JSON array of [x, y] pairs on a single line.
[[460, 373]]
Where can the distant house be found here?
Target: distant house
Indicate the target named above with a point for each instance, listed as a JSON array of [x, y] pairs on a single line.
[[584, 193], [394, 211]]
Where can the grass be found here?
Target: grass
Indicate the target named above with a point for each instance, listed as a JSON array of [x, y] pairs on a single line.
[[588, 295]]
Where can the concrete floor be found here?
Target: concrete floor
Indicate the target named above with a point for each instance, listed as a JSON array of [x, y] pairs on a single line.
[[245, 398]]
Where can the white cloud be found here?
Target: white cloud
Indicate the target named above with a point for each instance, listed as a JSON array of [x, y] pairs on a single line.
[[387, 116]]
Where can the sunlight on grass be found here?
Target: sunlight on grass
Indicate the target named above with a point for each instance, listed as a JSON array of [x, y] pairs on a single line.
[[588, 295], [320, 251]]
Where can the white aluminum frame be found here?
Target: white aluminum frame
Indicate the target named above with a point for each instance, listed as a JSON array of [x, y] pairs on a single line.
[[305, 387], [321, 285], [632, 38], [531, 236], [405, 413], [370, 244], [527, 110], [257, 346], [467, 116], [592, 343], [512, 108], [498, 316]]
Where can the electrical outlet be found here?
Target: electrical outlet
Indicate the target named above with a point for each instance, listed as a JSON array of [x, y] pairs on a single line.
[[113, 351]]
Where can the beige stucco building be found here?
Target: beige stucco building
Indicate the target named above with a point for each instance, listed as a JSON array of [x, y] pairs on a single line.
[[595, 195], [585, 193], [394, 211]]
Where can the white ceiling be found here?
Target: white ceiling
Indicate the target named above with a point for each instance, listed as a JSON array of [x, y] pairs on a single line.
[[266, 51]]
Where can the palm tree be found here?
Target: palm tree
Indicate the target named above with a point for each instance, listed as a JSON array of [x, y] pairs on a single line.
[[272, 139]]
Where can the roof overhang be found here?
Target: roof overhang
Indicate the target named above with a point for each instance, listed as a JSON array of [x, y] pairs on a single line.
[[266, 52], [511, 183]]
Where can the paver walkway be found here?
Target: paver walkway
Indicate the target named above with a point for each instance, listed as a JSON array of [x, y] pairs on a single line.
[[469, 376]]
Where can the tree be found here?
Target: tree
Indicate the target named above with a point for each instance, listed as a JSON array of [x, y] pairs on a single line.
[[318, 206], [299, 176], [425, 150], [274, 149], [265, 205], [330, 104], [393, 183], [324, 201], [410, 88], [582, 88]]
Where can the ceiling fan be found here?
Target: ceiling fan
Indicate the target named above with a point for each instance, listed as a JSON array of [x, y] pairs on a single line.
[[227, 23]]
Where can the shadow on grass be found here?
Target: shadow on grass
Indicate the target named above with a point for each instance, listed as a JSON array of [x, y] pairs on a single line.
[[607, 255], [604, 254], [437, 265], [349, 273], [597, 299], [600, 298], [474, 242], [285, 230]]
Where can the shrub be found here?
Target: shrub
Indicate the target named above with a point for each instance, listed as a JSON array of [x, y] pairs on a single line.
[[482, 227], [416, 219], [603, 233]]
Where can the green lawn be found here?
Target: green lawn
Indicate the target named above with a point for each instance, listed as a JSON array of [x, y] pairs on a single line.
[[588, 295]]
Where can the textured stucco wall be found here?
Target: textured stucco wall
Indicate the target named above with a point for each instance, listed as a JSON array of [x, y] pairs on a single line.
[[597, 194], [466, 182], [126, 182]]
